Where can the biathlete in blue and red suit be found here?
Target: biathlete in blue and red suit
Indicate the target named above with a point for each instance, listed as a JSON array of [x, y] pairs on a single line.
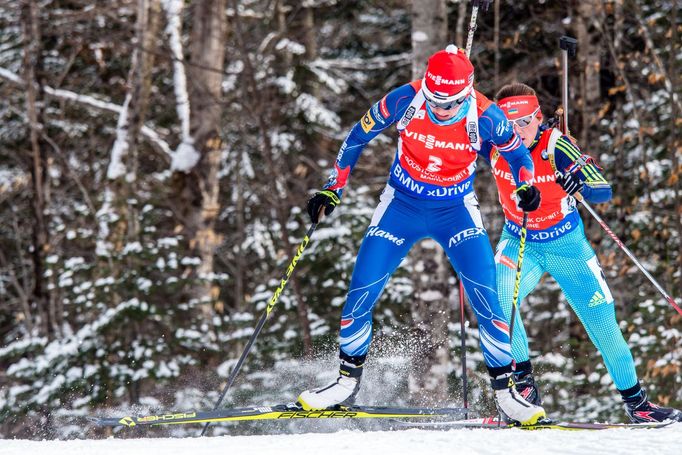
[[556, 244], [442, 122]]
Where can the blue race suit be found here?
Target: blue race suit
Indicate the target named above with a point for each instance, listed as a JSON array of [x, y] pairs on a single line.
[[561, 249], [429, 194]]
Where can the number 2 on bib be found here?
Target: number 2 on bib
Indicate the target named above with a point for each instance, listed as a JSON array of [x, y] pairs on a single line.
[[435, 164]]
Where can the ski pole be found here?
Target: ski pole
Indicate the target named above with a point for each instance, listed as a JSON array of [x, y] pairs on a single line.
[[568, 46], [517, 281], [462, 325], [622, 246], [264, 317], [472, 21], [465, 382]]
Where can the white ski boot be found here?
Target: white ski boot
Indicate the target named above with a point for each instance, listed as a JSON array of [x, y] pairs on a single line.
[[340, 392], [511, 404]]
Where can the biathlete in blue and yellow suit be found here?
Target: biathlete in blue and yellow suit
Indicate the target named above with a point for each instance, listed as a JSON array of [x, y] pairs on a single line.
[[556, 244], [442, 122]]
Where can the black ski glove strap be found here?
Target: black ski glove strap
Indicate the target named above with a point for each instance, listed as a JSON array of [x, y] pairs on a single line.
[[327, 199], [528, 197], [570, 182]]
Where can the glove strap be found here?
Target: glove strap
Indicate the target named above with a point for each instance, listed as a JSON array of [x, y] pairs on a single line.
[[331, 195], [523, 187]]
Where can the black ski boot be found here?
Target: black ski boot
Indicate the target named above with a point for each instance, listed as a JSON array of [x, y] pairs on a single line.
[[525, 383], [641, 410]]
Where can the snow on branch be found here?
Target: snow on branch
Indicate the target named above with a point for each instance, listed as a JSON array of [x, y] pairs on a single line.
[[89, 101], [363, 64], [120, 148], [315, 112], [291, 46], [186, 156], [337, 85], [10, 76]]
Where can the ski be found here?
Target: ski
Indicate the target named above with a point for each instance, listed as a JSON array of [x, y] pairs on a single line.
[[278, 412], [495, 424]]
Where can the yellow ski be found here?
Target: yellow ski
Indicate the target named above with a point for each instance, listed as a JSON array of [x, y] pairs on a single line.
[[278, 412]]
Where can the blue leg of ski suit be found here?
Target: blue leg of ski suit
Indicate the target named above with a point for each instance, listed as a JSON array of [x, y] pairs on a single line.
[[399, 222], [571, 261]]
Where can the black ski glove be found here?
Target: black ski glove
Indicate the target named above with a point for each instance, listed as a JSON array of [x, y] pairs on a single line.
[[327, 199], [528, 197], [570, 182]]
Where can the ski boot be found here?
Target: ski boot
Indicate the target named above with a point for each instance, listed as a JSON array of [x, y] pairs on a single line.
[[511, 404], [525, 383], [340, 392], [640, 410]]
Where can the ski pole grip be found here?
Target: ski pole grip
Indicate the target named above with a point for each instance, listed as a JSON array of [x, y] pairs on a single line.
[[481, 3], [568, 44]]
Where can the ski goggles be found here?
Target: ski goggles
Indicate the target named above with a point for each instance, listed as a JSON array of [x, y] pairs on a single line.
[[446, 105], [446, 102], [526, 120]]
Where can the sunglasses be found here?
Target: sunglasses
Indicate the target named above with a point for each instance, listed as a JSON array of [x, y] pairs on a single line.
[[526, 120], [446, 105]]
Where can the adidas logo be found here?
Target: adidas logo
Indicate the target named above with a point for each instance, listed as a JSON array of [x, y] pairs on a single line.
[[597, 299]]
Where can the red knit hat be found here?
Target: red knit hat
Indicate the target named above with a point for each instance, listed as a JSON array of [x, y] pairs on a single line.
[[449, 75]]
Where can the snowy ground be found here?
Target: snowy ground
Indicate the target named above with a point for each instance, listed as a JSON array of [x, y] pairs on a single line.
[[662, 441]]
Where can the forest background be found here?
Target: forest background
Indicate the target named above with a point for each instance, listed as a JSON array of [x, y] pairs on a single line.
[[155, 161]]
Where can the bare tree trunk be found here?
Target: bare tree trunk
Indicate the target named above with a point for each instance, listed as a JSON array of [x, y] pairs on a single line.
[[589, 57], [430, 309], [619, 130], [281, 10], [429, 32], [147, 28], [123, 167], [42, 298], [307, 24], [461, 20], [198, 189], [309, 30]]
